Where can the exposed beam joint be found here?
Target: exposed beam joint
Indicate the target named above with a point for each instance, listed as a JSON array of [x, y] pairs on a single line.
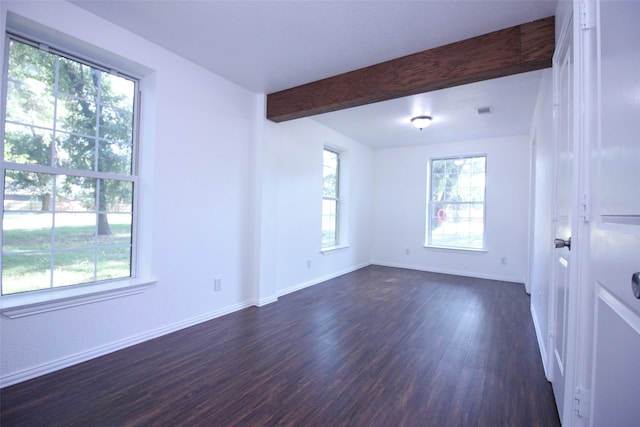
[[513, 50]]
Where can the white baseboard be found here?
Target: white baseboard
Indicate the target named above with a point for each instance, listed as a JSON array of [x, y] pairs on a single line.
[[65, 362], [541, 341], [260, 302], [84, 356], [317, 280], [451, 272]]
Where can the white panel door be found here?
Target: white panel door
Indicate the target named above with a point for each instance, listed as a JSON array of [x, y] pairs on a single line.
[[615, 230], [563, 183]]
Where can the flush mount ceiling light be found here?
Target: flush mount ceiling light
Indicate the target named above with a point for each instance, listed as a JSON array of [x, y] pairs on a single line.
[[421, 121]]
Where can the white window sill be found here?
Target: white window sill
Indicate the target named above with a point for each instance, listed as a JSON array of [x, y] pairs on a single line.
[[30, 303], [333, 249], [449, 248]]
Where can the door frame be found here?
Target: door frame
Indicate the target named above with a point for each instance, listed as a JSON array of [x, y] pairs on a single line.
[[563, 71], [580, 310]]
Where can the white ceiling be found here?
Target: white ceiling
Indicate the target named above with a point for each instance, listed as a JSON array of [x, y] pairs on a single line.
[[387, 124], [267, 46]]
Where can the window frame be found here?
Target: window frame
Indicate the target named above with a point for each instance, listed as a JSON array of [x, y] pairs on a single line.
[[337, 199], [55, 298], [431, 204]]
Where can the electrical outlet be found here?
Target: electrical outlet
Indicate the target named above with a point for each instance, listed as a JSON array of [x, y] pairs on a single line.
[[407, 251], [309, 263], [217, 284], [503, 261]]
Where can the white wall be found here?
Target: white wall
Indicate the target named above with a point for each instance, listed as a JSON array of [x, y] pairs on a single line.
[[298, 203], [230, 195], [227, 195], [542, 234], [197, 182], [400, 210]]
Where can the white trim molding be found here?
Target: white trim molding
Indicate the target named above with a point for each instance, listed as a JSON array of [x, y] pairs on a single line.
[[541, 343], [453, 272], [317, 280], [31, 303], [84, 356]]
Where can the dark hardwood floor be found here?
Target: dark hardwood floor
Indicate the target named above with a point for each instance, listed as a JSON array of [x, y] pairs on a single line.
[[377, 347]]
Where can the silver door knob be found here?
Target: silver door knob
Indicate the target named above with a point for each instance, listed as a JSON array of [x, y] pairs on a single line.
[[559, 243]]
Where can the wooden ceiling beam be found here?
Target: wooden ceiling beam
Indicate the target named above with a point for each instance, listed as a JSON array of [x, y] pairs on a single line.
[[513, 50]]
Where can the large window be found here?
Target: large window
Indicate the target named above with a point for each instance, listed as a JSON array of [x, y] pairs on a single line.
[[457, 202], [68, 169], [330, 198]]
